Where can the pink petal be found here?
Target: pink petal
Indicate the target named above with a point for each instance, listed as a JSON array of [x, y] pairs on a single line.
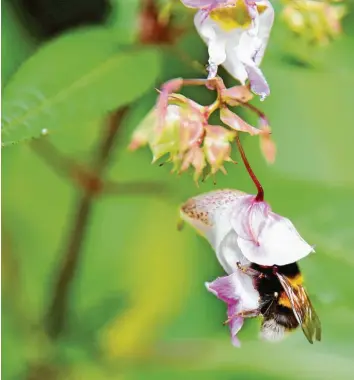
[[224, 289], [235, 324], [217, 146], [237, 288], [169, 87], [235, 122], [194, 157], [236, 95], [268, 147], [191, 129], [238, 292]]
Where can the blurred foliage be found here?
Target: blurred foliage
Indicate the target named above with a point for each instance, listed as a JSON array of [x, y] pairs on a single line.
[[17, 44], [48, 93], [138, 307]]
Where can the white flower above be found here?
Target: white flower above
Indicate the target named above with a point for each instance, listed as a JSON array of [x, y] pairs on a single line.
[[237, 37]]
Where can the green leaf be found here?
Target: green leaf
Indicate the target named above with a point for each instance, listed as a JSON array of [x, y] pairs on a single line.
[[17, 44], [74, 79], [124, 20]]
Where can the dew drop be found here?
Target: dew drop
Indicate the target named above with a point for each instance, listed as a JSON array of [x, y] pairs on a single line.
[[44, 132]]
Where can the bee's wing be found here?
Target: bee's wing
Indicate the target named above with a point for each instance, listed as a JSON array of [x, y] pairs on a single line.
[[302, 308]]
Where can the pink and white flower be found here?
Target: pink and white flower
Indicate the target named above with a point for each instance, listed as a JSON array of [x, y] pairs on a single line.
[[238, 292], [242, 229]]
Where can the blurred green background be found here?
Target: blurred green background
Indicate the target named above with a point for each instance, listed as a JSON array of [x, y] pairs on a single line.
[[137, 305]]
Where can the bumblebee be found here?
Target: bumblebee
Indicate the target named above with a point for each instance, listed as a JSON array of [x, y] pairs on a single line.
[[284, 303]]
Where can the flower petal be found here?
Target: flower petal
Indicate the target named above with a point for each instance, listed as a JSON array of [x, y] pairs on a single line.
[[259, 85], [234, 96], [238, 292], [235, 324], [209, 214], [249, 218], [268, 147], [217, 146], [144, 131], [265, 237], [232, 63], [266, 20], [214, 38], [247, 50], [229, 253], [279, 243], [235, 122], [194, 157], [236, 288], [202, 3], [191, 128], [167, 88]]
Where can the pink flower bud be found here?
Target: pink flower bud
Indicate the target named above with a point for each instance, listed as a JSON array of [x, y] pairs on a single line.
[[267, 145], [194, 157], [217, 147], [144, 132], [236, 95]]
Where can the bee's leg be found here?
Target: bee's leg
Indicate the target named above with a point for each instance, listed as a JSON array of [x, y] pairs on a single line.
[[249, 271], [243, 314]]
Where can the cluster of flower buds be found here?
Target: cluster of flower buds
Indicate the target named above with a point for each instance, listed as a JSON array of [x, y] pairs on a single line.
[[316, 21], [179, 127]]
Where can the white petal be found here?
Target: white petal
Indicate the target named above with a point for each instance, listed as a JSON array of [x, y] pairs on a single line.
[[232, 63], [209, 214], [216, 49], [229, 253], [266, 20], [249, 217], [247, 52], [279, 243], [213, 36], [264, 237]]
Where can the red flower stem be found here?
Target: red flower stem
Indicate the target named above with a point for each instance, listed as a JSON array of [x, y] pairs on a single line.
[[256, 111], [260, 194]]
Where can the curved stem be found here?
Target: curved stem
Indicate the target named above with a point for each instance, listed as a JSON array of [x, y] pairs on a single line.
[[57, 311], [260, 194]]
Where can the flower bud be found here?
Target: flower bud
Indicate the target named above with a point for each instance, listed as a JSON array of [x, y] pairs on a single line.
[[217, 147]]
